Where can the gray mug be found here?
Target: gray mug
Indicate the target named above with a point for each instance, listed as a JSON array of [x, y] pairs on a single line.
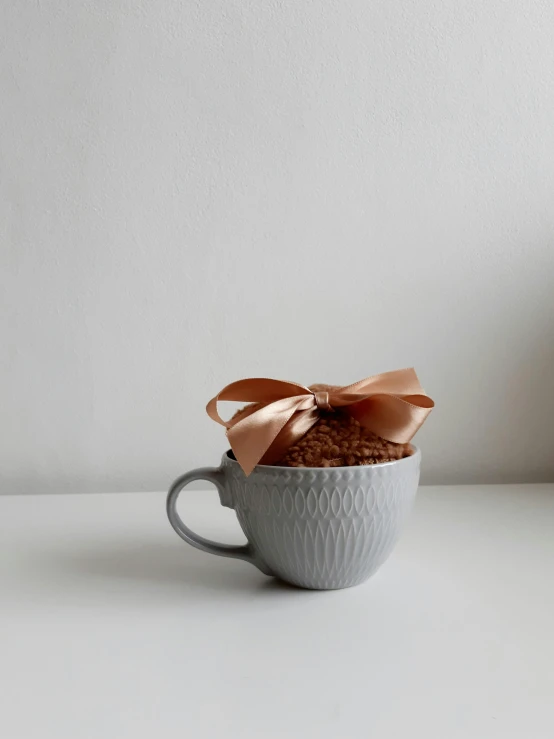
[[317, 527]]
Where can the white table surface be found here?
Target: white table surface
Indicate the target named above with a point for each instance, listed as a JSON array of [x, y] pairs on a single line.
[[112, 627]]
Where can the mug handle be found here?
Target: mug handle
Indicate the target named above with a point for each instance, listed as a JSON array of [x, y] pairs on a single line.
[[216, 476]]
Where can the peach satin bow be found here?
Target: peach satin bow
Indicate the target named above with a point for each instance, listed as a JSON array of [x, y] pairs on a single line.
[[393, 405]]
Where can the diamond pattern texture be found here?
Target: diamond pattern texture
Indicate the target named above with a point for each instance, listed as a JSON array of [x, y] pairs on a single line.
[[323, 528]]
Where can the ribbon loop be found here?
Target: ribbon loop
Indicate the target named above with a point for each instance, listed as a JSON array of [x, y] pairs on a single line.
[[392, 405]]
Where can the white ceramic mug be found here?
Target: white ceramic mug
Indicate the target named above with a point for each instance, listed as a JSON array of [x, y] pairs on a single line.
[[317, 527]]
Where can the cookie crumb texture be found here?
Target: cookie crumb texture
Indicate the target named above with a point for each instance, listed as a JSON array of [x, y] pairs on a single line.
[[338, 440]]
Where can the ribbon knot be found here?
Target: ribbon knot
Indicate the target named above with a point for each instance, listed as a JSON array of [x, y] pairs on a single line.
[[392, 405], [322, 400]]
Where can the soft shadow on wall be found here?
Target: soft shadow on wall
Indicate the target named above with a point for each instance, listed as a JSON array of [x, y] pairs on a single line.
[[496, 398]]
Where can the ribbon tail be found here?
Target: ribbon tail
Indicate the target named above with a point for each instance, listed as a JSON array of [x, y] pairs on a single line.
[[291, 432], [391, 417], [254, 435]]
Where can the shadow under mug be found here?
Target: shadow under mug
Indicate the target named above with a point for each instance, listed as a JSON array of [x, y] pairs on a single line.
[[316, 527]]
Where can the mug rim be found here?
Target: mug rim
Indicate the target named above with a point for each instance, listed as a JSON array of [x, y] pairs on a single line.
[[416, 453]]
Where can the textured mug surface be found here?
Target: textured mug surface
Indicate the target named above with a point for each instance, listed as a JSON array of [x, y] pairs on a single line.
[[319, 528]]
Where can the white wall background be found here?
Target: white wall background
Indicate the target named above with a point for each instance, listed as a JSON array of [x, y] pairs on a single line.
[[194, 192]]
